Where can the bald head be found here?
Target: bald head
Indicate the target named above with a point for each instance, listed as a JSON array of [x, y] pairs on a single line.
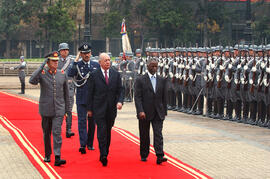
[[104, 61]]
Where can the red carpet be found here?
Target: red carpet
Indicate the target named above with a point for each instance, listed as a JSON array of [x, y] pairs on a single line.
[[20, 117]]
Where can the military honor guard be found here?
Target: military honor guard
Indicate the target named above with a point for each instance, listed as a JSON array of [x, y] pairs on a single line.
[[53, 104], [21, 73], [80, 71], [63, 64]]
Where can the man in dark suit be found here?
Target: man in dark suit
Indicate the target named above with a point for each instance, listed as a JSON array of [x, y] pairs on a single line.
[[151, 106], [53, 104], [80, 71], [105, 97]]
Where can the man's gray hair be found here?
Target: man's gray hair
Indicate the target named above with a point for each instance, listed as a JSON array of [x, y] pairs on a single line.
[[102, 55], [151, 60]]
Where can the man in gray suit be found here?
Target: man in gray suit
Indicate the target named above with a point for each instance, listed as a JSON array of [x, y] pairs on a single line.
[[64, 61], [53, 104]]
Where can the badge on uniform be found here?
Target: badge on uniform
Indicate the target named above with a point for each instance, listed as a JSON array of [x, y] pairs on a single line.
[[62, 71], [43, 72]]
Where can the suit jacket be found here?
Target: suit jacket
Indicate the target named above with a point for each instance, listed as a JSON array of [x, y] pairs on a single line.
[[102, 98], [54, 92], [82, 92], [149, 102]]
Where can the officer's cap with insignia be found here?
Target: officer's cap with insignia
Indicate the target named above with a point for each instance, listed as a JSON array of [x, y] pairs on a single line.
[[110, 54], [121, 54], [85, 48], [63, 46], [52, 56], [261, 48], [21, 57], [253, 47]]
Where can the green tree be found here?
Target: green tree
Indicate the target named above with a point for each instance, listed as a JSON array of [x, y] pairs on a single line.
[[10, 14]]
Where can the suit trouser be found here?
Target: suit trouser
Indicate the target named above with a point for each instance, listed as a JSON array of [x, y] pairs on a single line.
[[144, 128], [52, 125], [86, 136], [104, 127]]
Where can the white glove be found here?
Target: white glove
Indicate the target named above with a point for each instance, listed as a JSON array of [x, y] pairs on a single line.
[[171, 74], [184, 76], [253, 69], [227, 78], [193, 67], [238, 66], [190, 77], [179, 66], [161, 64], [218, 77], [212, 65], [221, 67], [268, 70], [175, 63], [158, 73], [251, 82], [230, 66], [11, 68], [167, 66], [143, 73], [176, 76], [236, 81], [258, 82], [245, 67], [210, 76], [265, 82], [188, 67], [262, 64], [207, 67], [205, 78]]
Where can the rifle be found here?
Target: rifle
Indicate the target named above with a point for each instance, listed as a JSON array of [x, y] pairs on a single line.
[[253, 75], [141, 66], [193, 71], [268, 76], [207, 63], [166, 69], [187, 71], [261, 79], [212, 81], [230, 73], [238, 74], [180, 81], [174, 71], [220, 72]]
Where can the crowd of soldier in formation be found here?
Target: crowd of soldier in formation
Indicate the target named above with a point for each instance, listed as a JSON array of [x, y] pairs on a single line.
[[233, 77]]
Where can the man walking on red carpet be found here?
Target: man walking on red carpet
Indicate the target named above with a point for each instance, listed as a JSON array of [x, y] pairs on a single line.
[[104, 98], [53, 104], [151, 106]]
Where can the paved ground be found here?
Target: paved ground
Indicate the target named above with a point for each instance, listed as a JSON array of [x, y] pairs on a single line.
[[221, 149]]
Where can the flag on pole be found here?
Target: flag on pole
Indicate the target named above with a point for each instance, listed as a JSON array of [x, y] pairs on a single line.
[[125, 41]]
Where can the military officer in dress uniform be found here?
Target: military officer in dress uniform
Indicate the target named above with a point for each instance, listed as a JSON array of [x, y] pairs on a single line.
[[21, 73], [53, 104], [63, 64], [80, 71]]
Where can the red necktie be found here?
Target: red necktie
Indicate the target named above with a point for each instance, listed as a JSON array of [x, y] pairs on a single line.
[[106, 77]]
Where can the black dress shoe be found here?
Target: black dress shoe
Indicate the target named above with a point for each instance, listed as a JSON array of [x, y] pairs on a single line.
[[143, 159], [82, 150], [90, 148], [58, 161], [104, 161], [47, 159], [161, 159], [69, 134]]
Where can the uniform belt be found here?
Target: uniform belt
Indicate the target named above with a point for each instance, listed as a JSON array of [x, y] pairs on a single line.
[[129, 72]]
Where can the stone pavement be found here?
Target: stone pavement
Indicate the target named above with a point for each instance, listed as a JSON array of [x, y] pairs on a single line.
[[221, 149]]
